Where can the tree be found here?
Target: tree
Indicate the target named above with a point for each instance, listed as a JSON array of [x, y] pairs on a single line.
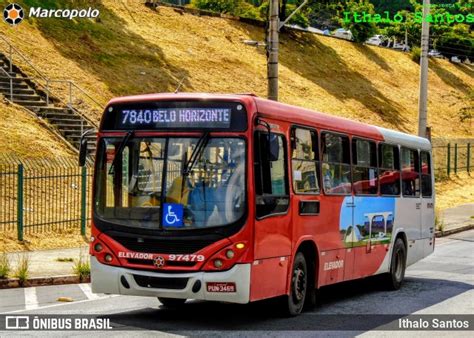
[[455, 44], [361, 31]]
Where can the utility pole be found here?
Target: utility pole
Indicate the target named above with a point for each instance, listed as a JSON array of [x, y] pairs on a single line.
[[272, 50], [423, 99]]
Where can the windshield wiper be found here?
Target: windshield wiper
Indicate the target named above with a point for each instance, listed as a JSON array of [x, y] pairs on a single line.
[[196, 154], [120, 149]]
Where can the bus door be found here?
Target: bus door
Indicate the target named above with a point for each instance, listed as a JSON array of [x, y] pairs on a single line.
[[272, 226]]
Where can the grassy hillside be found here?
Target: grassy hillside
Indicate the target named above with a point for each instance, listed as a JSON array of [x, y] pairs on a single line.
[[23, 136], [137, 50]]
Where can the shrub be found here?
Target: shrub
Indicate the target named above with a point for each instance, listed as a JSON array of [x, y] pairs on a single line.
[[415, 54], [82, 268], [220, 6], [23, 269], [4, 266], [439, 221]]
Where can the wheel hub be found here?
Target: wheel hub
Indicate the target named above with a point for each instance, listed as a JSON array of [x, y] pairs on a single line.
[[299, 284]]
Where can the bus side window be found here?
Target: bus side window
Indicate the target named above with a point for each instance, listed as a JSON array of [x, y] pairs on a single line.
[[389, 169], [364, 162], [336, 167], [271, 177], [410, 173], [305, 161], [426, 187]]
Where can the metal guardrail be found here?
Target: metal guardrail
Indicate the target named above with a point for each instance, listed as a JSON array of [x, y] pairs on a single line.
[[46, 86]]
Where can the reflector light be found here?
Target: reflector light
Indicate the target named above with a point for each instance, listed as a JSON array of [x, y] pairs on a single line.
[[229, 254], [240, 245]]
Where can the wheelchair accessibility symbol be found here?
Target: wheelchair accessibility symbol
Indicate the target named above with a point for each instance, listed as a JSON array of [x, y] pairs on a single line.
[[173, 215]]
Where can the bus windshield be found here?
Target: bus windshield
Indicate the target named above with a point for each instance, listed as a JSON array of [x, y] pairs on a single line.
[[201, 192]]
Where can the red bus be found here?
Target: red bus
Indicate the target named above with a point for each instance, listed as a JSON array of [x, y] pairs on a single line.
[[236, 198]]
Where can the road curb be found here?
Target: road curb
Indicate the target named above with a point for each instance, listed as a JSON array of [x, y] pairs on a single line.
[[11, 283], [444, 233]]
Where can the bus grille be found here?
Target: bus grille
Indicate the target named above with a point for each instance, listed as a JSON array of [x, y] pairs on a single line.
[[160, 282], [154, 245]]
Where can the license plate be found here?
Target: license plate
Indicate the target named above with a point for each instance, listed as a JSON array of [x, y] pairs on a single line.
[[221, 287]]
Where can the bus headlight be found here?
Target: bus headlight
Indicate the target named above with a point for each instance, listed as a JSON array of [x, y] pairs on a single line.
[[218, 263], [108, 258], [98, 247], [229, 254]]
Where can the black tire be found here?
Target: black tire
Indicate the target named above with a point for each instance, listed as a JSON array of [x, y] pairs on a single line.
[[311, 293], [172, 303], [394, 278], [295, 302]]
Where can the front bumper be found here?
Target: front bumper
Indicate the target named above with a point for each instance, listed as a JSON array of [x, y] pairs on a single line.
[[108, 279]]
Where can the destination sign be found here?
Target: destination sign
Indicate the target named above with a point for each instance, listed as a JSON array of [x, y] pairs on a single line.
[[177, 118], [195, 115]]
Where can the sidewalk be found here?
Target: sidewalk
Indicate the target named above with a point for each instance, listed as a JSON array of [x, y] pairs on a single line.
[[458, 217], [45, 263]]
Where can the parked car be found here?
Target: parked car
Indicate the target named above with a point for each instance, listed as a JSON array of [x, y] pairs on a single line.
[[455, 59], [401, 46], [435, 54], [376, 40], [343, 34]]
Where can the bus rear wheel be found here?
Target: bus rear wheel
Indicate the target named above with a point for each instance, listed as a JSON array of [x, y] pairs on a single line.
[[394, 278], [171, 303], [299, 286]]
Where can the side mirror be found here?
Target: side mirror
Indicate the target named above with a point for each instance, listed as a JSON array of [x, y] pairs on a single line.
[[273, 147], [83, 151]]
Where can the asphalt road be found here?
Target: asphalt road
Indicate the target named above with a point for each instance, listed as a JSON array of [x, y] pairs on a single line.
[[440, 284]]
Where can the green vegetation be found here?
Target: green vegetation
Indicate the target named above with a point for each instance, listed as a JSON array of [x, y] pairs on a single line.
[[65, 259], [415, 54], [439, 221], [22, 270], [452, 43], [4, 266], [232, 7], [82, 268], [361, 31]]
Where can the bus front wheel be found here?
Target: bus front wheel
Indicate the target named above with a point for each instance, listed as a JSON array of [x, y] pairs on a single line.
[[299, 286], [394, 278], [171, 303]]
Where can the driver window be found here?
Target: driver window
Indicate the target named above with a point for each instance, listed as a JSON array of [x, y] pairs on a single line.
[[271, 177]]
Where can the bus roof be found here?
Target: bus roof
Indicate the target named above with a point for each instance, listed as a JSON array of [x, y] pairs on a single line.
[[180, 96], [294, 114]]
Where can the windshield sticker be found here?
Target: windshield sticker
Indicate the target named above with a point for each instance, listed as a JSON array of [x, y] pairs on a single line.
[[173, 215]]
